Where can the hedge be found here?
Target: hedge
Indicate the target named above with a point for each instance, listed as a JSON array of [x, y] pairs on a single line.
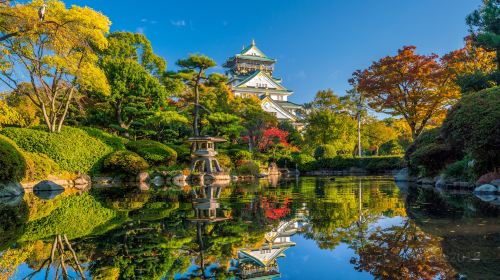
[[12, 161], [125, 161], [72, 149], [155, 153], [370, 164]]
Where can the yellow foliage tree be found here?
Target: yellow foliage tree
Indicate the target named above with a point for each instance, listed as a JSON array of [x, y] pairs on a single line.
[[53, 51]]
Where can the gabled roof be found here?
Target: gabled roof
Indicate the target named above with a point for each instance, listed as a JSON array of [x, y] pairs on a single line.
[[288, 104], [277, 86], [267, 257], [283, 111], [252, 53], [252, 50]]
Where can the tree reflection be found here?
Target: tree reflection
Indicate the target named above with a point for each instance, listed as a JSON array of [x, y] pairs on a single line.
[[402, 252]]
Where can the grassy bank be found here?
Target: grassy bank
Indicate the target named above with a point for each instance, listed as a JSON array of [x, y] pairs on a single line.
[[29, 154]]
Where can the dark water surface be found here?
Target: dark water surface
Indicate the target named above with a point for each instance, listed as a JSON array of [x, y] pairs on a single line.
[[307, 228]]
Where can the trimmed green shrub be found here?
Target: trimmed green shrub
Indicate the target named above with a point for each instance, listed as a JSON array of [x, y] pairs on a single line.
[[183, 152], [381, 163], [125, 161], [239, 155], [116, 142], [301, 159], [371, 164], [153, 152], [473, 127], [459, 170], [430, 153], [325, 151], [391, 148], [39, 166], [431, 158], [72, 149], [12, 162], [248, 167], [224, 160]]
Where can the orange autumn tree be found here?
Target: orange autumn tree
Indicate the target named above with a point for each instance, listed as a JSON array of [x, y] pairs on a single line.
[[471, 66], [416, 87]]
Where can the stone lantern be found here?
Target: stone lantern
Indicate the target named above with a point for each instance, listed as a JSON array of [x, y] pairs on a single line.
[[204, 160]]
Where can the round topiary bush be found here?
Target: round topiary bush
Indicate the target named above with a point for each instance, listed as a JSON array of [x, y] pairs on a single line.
[[125, 161], [248, 167], [325, 151], [153, 152], [72, 149], [12, 161]]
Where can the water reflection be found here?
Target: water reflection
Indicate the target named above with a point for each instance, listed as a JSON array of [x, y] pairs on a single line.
[[354, 228]]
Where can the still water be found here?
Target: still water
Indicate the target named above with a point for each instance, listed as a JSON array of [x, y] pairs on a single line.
[[297, 228]]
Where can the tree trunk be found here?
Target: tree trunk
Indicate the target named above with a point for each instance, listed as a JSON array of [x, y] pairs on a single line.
[[196, 105], [65, 112]]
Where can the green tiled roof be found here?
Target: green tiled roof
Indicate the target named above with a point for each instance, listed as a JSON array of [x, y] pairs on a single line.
[[255, 74], [254, 57], [288, 104]]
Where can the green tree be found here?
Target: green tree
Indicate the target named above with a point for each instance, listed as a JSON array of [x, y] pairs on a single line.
[[294, 137], [327, 127], [194, 72], [133, 72], [57, 57], [226, 125], [326, 100], [484, 26], [255, 121], [377, 133]]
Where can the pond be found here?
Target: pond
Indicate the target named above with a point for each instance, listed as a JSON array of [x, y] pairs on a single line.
[[295, 228]]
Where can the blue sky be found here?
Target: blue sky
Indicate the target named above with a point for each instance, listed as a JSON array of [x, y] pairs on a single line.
[[318, 44]]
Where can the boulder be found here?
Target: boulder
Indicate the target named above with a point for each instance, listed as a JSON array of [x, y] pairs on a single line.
[[487, 197], [47, 195], [179, 180], [158, 181], [102, 180], [142, 177], [402, 175], [82, 180], [486, 189], [441, 182], [496, 183], [143, 186], [11, 201], [488, 177], [426, 181], [47, 186], [11, 189]]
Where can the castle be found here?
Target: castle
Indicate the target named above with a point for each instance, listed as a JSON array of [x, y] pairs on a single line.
[[250, 73]]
